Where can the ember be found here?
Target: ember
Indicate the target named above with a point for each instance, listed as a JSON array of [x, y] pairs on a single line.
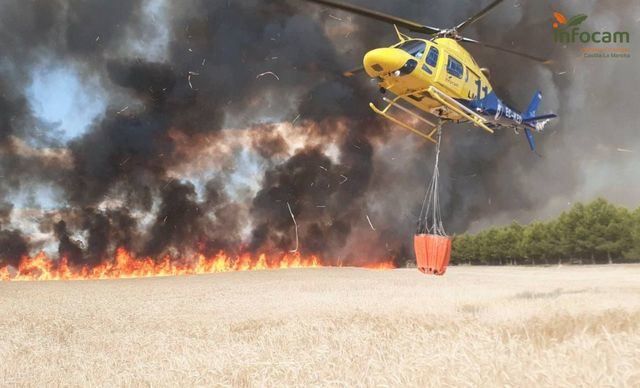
[[126, 265]]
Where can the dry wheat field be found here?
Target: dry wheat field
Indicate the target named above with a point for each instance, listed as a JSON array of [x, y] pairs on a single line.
[[476, 326]]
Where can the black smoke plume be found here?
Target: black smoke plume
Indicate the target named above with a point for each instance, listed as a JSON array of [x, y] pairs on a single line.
[[220, 115]]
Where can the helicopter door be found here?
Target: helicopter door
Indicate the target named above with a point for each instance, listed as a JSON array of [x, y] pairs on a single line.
[[453, 80], [473, 85]]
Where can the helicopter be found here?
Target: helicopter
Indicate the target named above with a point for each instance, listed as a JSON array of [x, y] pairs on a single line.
[[438, 76]]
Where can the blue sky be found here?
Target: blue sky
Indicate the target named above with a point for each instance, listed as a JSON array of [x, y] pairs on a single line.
[[58, 95]]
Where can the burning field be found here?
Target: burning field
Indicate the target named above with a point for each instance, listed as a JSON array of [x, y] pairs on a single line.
[[561, 326], [126, 265]]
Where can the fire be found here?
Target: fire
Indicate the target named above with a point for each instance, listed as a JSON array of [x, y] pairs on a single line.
[[385, 265], [126, 265]]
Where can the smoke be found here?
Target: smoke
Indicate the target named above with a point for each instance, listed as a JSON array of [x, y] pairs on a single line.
[[68, 247], [197, 152]]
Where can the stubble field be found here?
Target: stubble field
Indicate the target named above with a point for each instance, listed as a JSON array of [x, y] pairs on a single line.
[[476, 326]]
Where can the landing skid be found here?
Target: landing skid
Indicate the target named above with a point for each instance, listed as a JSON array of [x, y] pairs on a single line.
[[394, 103], [460, 109], [439, 96]]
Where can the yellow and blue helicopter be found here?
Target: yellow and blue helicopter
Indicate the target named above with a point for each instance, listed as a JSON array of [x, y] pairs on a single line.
[[438, 76]]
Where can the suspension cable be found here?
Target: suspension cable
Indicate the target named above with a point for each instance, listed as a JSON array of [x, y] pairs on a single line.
[[430, 221]]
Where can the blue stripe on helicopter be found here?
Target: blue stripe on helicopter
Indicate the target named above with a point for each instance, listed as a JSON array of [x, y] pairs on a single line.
[[499, 113]]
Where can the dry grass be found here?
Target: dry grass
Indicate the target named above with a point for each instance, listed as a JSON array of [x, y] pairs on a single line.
[[525, 327]]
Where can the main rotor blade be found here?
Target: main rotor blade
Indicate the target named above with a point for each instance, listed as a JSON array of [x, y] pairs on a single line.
[[352, 72], [528, 56], [408, 24], [477, 16]]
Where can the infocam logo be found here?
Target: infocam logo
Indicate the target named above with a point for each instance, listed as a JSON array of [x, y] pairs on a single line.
[[568, 31]]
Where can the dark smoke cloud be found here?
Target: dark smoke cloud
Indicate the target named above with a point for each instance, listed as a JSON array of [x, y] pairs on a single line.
[[108, 20], [307, 182], [13, 246], [68, 248], [115, 185], [179, 219], [11, 111], [106, 231]]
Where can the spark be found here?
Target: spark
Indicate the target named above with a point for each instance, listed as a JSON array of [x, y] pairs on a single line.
[[123, 109], [268, 73], [167, 184], [294, 120], [370, 224], [625, 150], [344, 179], [191, 73], [296, 225]]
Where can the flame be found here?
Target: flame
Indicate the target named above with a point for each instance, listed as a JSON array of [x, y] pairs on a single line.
[[385, 265], [126, 265]]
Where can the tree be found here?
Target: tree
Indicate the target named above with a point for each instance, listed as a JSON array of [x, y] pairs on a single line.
[[597, 231], [562, 237], [597, 216], [508, 243], [537, 243], [617, 235], [462, 249], [576, 230], [633, 252], [487, 250]]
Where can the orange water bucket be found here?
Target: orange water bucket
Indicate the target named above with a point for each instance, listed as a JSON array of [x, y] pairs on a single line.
[[432, 253]]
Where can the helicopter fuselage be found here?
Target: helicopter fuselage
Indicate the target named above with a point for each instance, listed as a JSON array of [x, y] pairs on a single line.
[[413, 69], [438, 76]]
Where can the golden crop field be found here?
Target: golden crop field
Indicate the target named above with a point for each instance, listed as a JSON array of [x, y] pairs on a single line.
[[476, 326]]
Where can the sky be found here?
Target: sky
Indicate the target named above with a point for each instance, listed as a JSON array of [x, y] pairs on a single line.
[[58, 96]]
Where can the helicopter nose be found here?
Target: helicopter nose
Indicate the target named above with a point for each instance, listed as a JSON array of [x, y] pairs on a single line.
[[384, 60]]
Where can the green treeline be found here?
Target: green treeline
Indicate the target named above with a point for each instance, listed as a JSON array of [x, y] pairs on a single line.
[[598, 232]]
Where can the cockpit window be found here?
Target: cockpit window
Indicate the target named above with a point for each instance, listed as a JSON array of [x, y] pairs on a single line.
[[413, 47], [455, 68], [432, 57], [408, 67]]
